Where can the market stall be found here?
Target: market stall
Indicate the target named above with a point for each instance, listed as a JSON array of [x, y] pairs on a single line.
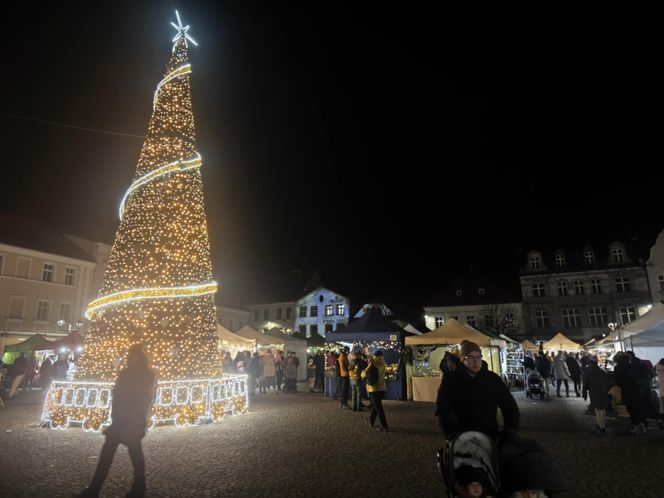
[[511, 360], [561, 343], [373, 332], [428, 351], [28, 347], [228, 341]]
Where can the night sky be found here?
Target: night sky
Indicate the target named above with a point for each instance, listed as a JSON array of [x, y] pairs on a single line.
[[388, 145]]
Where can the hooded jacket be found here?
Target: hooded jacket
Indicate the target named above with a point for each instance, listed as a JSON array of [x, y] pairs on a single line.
[[379, 386]]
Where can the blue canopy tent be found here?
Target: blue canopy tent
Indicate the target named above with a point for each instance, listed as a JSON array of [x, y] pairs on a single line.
[[374, 332]]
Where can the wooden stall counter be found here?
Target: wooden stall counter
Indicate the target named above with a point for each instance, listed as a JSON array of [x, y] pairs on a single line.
[[425, 388]]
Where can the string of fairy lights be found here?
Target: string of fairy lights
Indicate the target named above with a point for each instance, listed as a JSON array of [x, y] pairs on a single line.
[[158, 288]]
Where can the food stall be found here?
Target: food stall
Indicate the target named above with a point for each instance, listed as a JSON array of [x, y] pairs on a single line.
[[429, 349], [370, 333]]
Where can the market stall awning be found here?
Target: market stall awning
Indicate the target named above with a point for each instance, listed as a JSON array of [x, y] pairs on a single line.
[[72, 341], [315, 341], [261, 339], [229, 339], [528, 345], [451, 332], [30, 344], [559, 341]]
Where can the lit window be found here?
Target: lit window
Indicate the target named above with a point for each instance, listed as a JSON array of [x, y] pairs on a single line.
[[48, 272], [329, 310], [439, 321], [341, 309]]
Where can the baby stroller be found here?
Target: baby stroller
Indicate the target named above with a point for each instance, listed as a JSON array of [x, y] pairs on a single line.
[[469, 457], [535, 385]]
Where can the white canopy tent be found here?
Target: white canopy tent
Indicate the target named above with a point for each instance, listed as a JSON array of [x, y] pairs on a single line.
[[644, 336], [560, 343], [228, 341]]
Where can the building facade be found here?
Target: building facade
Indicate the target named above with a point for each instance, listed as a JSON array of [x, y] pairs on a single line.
[[321, 310], [655, 267], [264, 317], [233, 319], [481, 303], [580, 293], [46, 292]]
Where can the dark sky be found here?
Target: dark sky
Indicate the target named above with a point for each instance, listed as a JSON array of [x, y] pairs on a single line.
[[388, 145]]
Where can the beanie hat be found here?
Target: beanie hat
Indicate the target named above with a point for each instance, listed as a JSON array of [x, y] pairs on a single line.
[[468, 347]]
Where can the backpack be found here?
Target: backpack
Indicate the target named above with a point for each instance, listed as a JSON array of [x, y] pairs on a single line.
[[372, 375]]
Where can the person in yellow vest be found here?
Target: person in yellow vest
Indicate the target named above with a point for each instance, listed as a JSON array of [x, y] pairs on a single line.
[[374, 376]]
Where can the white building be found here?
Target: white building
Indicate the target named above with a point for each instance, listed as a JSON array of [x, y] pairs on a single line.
[[232, 318], [45, 277], [321, 311]]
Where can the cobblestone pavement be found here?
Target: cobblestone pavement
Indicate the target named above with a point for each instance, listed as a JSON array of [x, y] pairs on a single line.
[[304, 445]]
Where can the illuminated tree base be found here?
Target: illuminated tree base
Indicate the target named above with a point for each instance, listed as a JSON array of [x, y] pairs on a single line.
[[181, 402]]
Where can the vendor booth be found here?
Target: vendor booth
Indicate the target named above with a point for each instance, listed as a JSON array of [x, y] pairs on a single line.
[[428, 351], [561, 343], [528, 345], [374, 332], [644, 336], [228, 341], [511, 360], [27, 346]]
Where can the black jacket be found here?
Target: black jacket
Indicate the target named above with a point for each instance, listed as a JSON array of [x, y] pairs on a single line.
[[470, 404]]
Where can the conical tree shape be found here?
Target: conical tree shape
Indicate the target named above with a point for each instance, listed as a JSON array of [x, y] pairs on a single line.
[[158, 287]]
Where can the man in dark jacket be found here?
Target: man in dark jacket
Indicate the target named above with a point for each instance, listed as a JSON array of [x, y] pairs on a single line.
[[543, 367], [468, 398]]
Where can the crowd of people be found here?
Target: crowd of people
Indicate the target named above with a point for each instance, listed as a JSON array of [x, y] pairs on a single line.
[[27, 373]]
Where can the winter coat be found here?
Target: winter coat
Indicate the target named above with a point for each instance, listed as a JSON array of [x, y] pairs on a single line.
[[596, 383], [267, 361], [343, 365], [132, 399], [573, 366], [379, 386], [543, 366], [291, 370], [356, 367], [467, 403], [660, 379], [560, 367], [255, 368]]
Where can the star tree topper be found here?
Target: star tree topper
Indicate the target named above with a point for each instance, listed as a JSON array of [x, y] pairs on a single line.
[[182, 30]]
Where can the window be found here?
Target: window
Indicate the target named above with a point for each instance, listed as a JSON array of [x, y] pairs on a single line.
[[23, 266], [622, 284], [279, 313], [579, 289], [313, 329], [589, 257], [538, 290], [230, 324], [618, 255], [470, 320], [255, 315], [571, 317], [2, 263], [70, 276], [488, 321], [660, 280], [627, 314], [562, 288], [303, 312], [329, 310], [65, 312], [16, 307], [341, 309], [439, 321], [458, 292], [313, 310], [598, 317], [289, 313], [535, 262], [509, 319], [48, 272], [480, 291], [42, 311], [542, 319], [303, 330], [560, 259], [596, 285], [266, 314]]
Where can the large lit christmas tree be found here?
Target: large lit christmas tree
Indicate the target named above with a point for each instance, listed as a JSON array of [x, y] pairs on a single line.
[[158, 289]]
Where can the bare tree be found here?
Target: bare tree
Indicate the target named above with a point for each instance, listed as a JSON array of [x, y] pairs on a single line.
[[500, 319]]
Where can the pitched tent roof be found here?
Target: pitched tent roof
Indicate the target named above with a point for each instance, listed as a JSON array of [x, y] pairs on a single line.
[[559, 341], [28, 345], [316, 340], [261, 339], [451, 332], [372, 321], [528, 345], [228, 337]]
